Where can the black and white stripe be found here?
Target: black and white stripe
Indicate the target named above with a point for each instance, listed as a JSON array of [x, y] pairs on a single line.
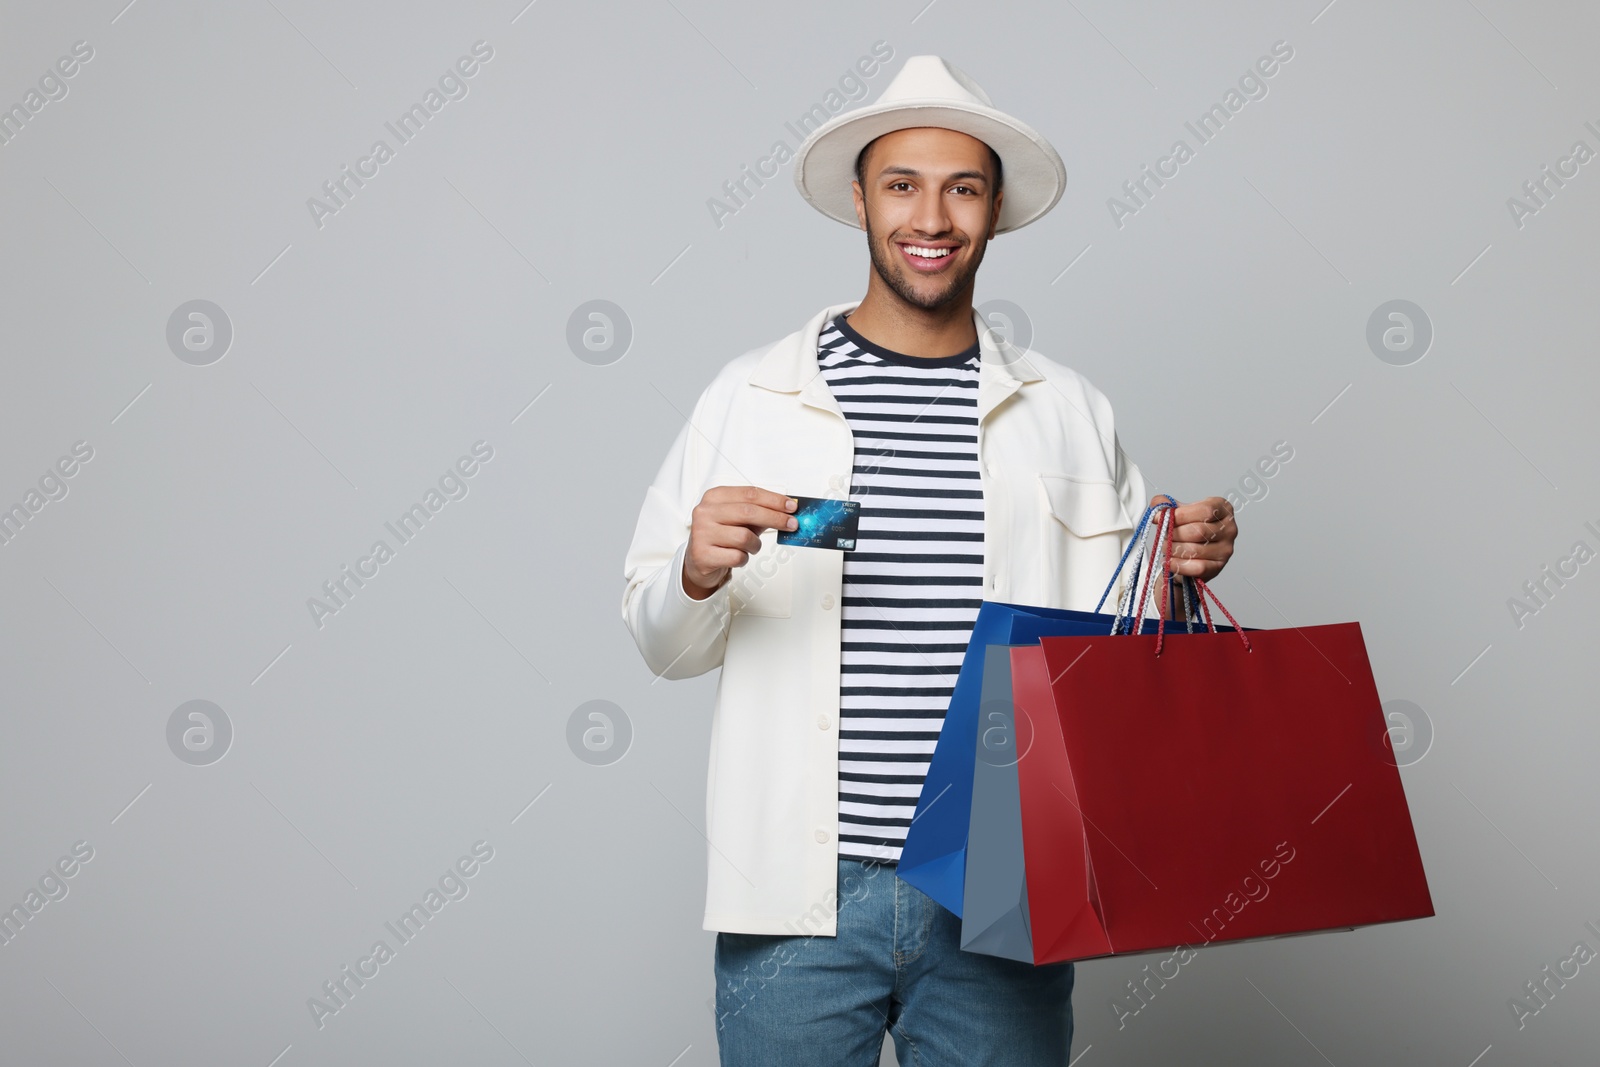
[[913, 583]]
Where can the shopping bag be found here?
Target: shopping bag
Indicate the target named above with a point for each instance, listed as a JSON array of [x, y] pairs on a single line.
[[994, 904], [933, 857], [1222, 787], [994, 912]]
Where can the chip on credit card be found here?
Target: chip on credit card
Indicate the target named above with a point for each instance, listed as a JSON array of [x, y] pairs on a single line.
[[823, 522]]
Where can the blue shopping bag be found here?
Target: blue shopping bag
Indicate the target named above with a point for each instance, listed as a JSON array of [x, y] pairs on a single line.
[[934, 855]]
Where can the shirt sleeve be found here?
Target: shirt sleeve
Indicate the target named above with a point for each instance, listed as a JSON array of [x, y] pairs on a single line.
[[679, 636]]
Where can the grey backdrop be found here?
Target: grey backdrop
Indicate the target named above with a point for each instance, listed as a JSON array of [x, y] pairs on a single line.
[[446, 702]]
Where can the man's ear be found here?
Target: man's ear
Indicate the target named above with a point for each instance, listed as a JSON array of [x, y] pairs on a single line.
[[861, 206], [994, 214]]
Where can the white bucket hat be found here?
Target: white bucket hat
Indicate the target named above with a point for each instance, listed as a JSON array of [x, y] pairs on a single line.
[[929, 91]]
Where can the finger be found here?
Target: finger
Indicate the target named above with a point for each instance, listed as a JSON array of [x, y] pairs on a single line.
[[1211, 509], [751, 494], [713, 558], [1214, 550], [752, 507], [1215, 535], [733, 537], [1206, 532], [1196, 568], [1161, 500], [753, 517]]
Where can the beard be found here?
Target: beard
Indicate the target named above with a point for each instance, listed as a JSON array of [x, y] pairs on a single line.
[[896, 275]]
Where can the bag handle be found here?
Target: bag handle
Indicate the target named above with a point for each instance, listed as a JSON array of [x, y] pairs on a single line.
[[1159, 533], [1166, 521], [1125, 604], [1152, 549]]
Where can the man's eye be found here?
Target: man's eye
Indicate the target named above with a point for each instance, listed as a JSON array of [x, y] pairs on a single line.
[[898, 185], [968, 188]]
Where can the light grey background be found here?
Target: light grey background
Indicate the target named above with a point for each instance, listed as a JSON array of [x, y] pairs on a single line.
[[435, 709]]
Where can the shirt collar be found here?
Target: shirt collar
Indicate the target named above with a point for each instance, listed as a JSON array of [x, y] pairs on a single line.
[[792, 363]]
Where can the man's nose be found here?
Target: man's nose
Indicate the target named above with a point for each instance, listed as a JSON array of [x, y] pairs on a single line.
[[930, 215]]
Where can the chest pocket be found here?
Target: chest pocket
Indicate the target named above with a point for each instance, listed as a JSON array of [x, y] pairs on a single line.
[[1083, 536], [764, 586], [1087, 508]]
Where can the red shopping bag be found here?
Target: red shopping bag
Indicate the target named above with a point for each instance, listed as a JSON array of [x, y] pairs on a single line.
[[1225, 787]]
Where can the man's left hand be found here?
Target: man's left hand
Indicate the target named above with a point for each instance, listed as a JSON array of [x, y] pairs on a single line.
[[1203, 533]]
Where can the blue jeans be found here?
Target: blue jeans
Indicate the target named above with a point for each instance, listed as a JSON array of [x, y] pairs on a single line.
[[808, 1000]]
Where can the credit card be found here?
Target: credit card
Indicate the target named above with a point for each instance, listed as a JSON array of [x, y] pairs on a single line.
[[823, 522]]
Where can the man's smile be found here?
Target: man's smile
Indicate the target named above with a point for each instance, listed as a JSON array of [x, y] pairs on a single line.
[[927, 257]]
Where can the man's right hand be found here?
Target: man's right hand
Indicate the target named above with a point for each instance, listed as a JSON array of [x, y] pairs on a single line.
[[725, 531]]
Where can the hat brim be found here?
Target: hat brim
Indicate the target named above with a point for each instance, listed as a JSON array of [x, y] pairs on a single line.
[[1034, 176]]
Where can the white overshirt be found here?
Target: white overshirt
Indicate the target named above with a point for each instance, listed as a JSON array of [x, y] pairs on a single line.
[[1060, 502]]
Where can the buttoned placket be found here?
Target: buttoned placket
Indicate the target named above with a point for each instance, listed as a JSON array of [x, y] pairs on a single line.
[[993, 516], [994, 388], [817, 394]]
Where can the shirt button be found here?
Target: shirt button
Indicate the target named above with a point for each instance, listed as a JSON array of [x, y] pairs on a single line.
[[822, 836], [823, 722], [827, 600]]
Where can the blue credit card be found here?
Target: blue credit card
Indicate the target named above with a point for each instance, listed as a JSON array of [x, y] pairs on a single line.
[[823, 522]]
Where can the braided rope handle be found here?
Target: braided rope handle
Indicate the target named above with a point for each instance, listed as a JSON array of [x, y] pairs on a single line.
[[1139, 577], [1166, 520], [1158, 545]]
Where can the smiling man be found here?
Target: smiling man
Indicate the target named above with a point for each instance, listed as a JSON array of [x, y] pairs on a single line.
[[975, 470]]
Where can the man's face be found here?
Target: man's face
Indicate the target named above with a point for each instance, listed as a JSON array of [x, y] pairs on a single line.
[[925, 201]]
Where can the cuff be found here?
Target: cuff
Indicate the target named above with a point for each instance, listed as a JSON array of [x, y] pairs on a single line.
[[718, 597]]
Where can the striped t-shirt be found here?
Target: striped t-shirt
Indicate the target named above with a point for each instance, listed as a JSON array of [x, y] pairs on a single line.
[[914, 581]]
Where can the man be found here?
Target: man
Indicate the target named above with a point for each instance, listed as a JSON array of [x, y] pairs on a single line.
[[981, 471]]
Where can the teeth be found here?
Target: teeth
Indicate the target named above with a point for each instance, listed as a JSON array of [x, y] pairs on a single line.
[[927, 253]]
